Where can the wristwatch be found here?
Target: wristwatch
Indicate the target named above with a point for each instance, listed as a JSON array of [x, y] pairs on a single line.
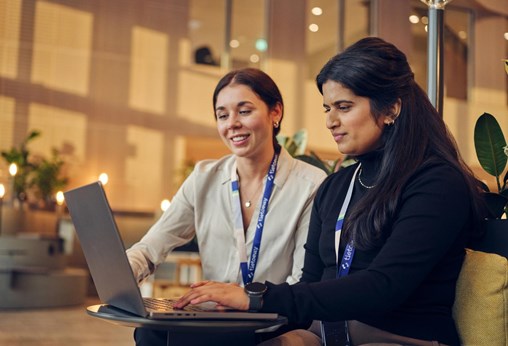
[[255, 291]]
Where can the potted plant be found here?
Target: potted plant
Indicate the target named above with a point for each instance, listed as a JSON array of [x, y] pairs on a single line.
[[47, 179], [296, 146], [492, 153], [491, 150], [37, 178], [20, 157]]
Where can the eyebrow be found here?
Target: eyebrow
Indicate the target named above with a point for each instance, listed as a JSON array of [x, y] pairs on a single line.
[[338, 102], [239, 104]]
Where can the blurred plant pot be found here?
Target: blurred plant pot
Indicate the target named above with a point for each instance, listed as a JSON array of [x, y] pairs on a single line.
[[16, 221], [13, 220]]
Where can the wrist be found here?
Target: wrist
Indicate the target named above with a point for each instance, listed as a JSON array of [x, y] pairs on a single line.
[[255, 292]]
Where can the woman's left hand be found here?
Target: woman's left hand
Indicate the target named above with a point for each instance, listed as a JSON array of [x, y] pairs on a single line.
[[225, 295]]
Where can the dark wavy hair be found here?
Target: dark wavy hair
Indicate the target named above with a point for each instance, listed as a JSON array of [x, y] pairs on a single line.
[[377, 70], [260, 83]]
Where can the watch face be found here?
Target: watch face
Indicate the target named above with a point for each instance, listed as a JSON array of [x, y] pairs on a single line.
[[255, 287]]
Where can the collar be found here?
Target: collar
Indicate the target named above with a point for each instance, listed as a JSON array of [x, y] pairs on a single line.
[[283, 168], [371, 163]]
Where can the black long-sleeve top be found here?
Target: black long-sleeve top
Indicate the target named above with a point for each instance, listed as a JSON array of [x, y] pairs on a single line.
[[407, 286]]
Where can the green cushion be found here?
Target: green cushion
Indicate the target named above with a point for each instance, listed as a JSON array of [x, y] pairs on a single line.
[[481, 301]]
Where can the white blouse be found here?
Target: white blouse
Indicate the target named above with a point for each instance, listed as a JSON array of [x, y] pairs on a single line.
[[203, 207]]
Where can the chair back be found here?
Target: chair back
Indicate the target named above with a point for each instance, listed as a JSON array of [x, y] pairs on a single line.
[[481, 302]]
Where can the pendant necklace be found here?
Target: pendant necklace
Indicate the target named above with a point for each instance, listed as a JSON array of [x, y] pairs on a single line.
[[248, 203]]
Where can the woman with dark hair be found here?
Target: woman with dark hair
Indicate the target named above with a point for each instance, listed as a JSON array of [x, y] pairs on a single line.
[[256, 200], [387, 235]]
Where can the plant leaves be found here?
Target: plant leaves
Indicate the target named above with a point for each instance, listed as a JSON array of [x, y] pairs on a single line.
[[489, 142], [295, 145], [313, 161]]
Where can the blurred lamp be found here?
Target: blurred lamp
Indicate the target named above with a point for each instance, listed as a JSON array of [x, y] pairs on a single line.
[[13, 169], [165, 204], [103, 177], [59, 198]]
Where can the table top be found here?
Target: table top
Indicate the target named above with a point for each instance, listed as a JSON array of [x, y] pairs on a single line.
[[120, 317]]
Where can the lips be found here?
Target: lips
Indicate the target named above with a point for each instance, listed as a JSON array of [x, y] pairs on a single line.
[[338, 136], [238, 139]]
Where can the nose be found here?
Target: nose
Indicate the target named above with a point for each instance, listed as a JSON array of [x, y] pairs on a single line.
[[233, 121], [332, 120]]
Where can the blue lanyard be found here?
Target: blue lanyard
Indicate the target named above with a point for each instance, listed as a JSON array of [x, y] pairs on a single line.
[[248, 268], [349, 252]]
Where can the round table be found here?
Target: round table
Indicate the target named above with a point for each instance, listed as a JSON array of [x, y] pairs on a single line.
[[192, 332]]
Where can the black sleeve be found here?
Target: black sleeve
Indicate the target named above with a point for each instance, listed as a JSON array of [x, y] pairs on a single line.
[[434, 210], [313, 265]]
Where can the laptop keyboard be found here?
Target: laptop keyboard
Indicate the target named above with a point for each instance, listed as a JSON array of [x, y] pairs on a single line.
[[161, 304], [158, 304]]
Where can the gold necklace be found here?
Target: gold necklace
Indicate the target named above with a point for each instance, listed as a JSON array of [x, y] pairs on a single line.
[[248, 203]]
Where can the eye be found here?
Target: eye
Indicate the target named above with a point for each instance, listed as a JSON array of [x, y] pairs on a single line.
[[326, 110], [344, 108], [222, 116], [244, 112]]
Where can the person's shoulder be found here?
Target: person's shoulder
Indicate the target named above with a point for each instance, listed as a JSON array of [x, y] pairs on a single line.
[[438, 168], [438, 174]]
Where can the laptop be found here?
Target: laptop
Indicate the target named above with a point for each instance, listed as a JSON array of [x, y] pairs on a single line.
[[110, 269]]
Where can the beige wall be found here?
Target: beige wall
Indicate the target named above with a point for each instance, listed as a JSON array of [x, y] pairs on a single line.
[[112, 85]]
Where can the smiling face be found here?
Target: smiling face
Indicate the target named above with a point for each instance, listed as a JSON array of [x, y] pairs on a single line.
[[244, 121], [349, 118]]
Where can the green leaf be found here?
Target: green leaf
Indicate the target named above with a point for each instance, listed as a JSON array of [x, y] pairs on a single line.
[[489, 142], [300, 140], [282, 140], [295, 145]]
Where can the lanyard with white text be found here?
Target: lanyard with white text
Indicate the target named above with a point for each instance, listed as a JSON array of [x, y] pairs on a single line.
[[347, 258], [249, 269]]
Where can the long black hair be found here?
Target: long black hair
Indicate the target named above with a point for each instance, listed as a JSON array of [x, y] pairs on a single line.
[[261, 84], [377, 70]]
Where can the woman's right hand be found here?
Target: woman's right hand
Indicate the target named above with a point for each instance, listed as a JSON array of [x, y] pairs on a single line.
[[225, 295]]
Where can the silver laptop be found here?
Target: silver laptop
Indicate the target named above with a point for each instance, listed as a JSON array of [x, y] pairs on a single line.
[[110, 269]]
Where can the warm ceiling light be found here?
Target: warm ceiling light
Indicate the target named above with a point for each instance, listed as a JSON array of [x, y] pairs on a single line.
[[234, 43], [425, 20], [317, 11], [254, 58], [414, 19], [462, 34], [313, 27], [506, 36]]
